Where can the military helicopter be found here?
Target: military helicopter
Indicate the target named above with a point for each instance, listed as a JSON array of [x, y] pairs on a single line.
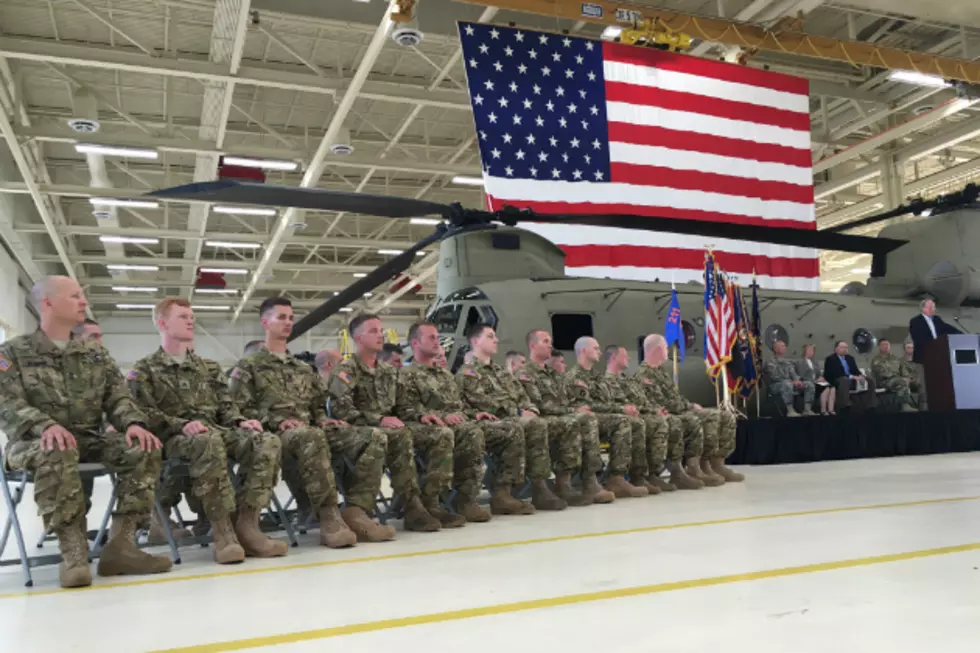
[[493, 271]]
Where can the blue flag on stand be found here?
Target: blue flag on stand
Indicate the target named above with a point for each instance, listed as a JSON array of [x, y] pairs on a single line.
[[674, 332]]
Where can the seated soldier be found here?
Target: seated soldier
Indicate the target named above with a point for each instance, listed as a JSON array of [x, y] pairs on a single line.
[[55, 393], [886, 368], [910, 371], [784, 382], [363, 391], [514, 361], [502, 405], [616, 426], [288, 398], [391, 353], [573, 434], [187, 402], [557, 362]]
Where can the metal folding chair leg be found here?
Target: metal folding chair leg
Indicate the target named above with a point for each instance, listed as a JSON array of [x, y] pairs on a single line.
[[15, 499], [14, 524], [280, 513], [167, 533], [96, 548]]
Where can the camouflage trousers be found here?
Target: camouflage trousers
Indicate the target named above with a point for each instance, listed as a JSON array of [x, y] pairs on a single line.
[[566, 434], [58, 487], [505, 444], [361, 451], [208, 487], [617, 431], [675, 439], [784, 390], [469, 446], [306, 449], [537, 456], [693, 434], [657, 430], [638, 446], [719, 432], [434, 445], [900, 387]]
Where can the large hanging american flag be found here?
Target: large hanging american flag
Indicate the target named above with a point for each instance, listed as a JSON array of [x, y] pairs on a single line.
[[719, 319], [570, 125]]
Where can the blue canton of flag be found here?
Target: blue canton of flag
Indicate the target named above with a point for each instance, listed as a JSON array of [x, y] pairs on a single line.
[[538, 102], [674, 332]]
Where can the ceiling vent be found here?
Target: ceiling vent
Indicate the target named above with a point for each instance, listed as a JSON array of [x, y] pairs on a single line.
[[342, 144]]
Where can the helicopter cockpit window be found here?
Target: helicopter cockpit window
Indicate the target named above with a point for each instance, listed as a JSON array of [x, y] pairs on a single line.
[[689, 334], [466, 293], [566, 328], [446, 317], [864, 340], [473, 317], [505, 241], [774, 333]]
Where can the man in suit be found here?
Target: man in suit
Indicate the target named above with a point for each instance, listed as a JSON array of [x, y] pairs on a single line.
[[923, 329], [842, 372]]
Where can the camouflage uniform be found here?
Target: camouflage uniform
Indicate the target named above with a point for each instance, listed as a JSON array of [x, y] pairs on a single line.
[[273, 390], [363, 396], [174, 393], [780, 373], [487, 388], [645, 396], [886, 369], [660, 389], [574, 436], [424, 389], [619, 430], [43, 385], [658, 427]]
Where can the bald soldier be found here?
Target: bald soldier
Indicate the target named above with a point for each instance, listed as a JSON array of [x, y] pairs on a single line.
[[55, 393], [615, 426], [705, 461], [187, 402], [573, 433], [325, 361]]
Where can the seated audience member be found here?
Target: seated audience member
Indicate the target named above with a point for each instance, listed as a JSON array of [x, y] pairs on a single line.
[[809, 369], [784, 382], [842, 372], [557, 362], [886, 368], [392, 354], [514, 361]]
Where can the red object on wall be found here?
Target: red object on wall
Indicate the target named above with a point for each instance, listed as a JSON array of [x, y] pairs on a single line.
[[210, 280], [255, 175], [401, 281]]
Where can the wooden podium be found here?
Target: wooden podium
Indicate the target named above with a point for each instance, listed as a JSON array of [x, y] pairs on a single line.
[[951, 365]]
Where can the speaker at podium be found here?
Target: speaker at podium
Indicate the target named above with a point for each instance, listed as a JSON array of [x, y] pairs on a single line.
[[951, 364]]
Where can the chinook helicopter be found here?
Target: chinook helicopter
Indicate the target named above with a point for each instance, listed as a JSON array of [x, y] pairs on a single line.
[[493, 271]]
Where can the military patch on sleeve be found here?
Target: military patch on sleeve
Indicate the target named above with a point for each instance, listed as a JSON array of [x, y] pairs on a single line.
[[344, 376], [581, 383], [132, 375], [469, 371], [647, 382], [5, 364], [524, 377], [236, 373]]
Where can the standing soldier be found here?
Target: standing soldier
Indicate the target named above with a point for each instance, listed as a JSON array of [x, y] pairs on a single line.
[[717, 426], [288, 398], [886, 368], [497, 399], [574, 434], [55, 392], [426, 390], [363, 391], [582, 383], [187, 403], [626, 391]]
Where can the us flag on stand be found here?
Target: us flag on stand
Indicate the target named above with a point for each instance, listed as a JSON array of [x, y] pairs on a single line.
[[719, 319], [570, 125]]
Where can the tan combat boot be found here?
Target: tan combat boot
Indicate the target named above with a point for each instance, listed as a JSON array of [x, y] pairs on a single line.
[[418, 519], [623, 489], [472, 512], [564, 489], [121, 555], [640, 480], [592, 492], [365, 528], [709, 472], [157, 536], [505, 503], [694, 471], [730, 476], [542, 498], [791, 412], [681, 479], [227, 550], [907, 408], [662, 485], [446, 518], [252, 539], [73, 570], [334, 532], [808, 412]]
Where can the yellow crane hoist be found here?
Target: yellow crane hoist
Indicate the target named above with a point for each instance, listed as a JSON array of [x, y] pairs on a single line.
[[655, 35], [391, 336], [344, 344]]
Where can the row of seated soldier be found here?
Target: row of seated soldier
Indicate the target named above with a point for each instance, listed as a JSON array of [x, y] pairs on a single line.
[[839, 384], [438, 437]]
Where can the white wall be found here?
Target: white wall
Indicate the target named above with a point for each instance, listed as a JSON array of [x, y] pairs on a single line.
[[15, 317]]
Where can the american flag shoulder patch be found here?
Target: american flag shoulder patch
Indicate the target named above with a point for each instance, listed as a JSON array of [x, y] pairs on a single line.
[[469, 371], [236, 373], [581, 383], [524, 377], [132, 375], [344, 376], [647, 382], [5, 364]]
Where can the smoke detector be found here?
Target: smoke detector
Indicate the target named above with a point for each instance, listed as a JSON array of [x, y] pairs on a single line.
[[102, 214], [84, 125], [85, 111], [342, 145]]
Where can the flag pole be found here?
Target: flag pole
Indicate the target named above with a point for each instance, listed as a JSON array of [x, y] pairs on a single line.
[[676, 383], [675, 346]]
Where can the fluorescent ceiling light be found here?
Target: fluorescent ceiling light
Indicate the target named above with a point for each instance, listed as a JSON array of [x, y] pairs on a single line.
[[198, 307], [268, 164], [421, 253], [242, 210], [145, 307], [463, 180], [369, 294], [611, 33], [427, 221], [129, 239], [136, 204], [137, 268], [861, 270], [215, 291], [134, 289], [919, 79], [346, 309], [108, 150], [223, 243], [392, 252], [360, 275], [225, 270]]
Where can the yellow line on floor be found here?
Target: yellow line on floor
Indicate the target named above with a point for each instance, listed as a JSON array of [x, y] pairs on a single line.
[[553, 602], [246, 571]]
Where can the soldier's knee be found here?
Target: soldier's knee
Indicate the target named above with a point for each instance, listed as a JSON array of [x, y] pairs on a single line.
[[58, 461], [268, 445], [378, 438]]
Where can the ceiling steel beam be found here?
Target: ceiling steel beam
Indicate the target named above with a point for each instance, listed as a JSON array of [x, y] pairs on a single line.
[[236, 264], [108, 282]]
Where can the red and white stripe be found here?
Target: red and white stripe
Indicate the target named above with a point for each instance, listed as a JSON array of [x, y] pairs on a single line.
[[719, 322], [689, 139]]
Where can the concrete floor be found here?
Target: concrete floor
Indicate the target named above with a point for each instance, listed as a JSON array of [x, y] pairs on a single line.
[[877, 555]]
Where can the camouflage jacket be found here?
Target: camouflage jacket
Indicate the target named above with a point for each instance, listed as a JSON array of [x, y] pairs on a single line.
[[633, 393], [361, 395], [885, 367], [805, 372], [272, 390], [545, 389], [662, 383], [909, 369], [424, 389], [487, 388], [590, 388], [43, 385], [780, 369], [173, 394]]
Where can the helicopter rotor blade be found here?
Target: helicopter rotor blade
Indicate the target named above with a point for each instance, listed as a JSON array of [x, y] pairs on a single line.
[[238, 192], [356, 290], [969, 195]]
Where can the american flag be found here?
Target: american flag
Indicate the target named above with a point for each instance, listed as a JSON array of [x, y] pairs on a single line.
[[571, 125], [719, 319]]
